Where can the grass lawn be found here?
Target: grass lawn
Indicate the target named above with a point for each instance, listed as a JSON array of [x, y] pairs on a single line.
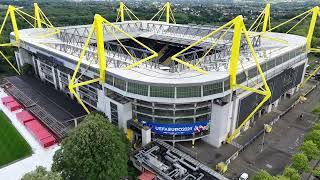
[[12, 144]]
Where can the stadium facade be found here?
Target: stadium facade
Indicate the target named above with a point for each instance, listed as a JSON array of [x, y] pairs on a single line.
[[175, 102]]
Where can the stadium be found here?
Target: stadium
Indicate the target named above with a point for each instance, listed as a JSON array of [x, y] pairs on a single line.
[[176, 102]]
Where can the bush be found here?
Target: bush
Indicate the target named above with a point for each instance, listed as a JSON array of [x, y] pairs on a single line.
[[300, 162], [262, 175]]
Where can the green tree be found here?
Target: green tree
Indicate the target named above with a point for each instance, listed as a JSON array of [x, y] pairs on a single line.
[[95, 149], [300, 162], [310, 149], [314, 136], [262, 175], [316, 172], [291, 173], [316, 126], [40, 173], [281, 177]]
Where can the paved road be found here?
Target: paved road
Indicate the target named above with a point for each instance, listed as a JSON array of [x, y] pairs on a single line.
[[286, 136], [278, 146]]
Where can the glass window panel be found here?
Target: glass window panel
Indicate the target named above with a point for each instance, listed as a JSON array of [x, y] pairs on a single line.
[[192, 91], [138, 88], [212, 89], [157, 91], [119, 83]]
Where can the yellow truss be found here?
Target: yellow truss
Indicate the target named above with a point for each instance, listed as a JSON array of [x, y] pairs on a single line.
[[121, 13], [239, 32], [169, 13], [314, 12], [39, 19], [98, 27]]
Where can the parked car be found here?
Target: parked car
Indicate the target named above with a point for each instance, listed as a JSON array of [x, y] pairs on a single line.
[[244, 176]]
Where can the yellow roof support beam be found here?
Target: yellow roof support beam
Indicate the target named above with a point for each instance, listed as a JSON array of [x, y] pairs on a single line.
[[169, 13], [39, 18], [314, 12], [238, 32], [122, 11], [98, 27], [266, 21]]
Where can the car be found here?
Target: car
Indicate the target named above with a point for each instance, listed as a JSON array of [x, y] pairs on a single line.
[[244, 176]]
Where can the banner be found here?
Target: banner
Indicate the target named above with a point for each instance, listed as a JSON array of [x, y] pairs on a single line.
[[178, 129]]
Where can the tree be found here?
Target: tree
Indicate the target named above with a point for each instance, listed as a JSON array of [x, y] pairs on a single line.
[[310, 149], [316, 126], [316, 172], [280, 177], [300, 162], [291, 173], [262, 175], [95, 149], [314, 136], [40, 173]]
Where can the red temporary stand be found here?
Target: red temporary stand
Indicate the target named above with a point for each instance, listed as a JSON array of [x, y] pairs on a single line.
[[34, 126], [147, 175], [42, 134], [24, 117], [48, 141], [13, 106], [7, 99]]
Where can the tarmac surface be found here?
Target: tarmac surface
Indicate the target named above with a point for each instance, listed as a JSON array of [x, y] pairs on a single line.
[[271, 151]]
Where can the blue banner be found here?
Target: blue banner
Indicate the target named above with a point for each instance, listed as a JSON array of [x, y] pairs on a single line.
[[178, 129]]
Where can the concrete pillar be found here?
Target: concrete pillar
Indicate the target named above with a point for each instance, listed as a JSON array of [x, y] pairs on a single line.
[[291, 91], [269, 108], [35, 67], [146, 135], [54, 78], [59, 80], [276, 103], [69, 78], [218, 124], [39, 68]]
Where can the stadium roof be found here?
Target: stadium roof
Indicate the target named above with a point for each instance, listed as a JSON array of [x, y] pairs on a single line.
[[68, 45]]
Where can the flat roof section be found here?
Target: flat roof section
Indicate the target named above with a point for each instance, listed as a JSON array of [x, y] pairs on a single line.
[[52, 107]]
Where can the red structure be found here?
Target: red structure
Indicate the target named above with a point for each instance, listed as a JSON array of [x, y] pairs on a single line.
[[7, 99], [47, 142], [147, 175], [13, 106], [34, 126], [42, 134], [24, 117], [44, 137]]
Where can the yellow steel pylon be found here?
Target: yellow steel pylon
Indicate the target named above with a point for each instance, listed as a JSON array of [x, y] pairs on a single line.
[[39, 18], [99, 25], [314, 12], [169, 13], [238, 32], [121, 13]]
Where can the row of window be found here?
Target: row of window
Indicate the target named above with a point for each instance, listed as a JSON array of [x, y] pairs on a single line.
[[197, 91]]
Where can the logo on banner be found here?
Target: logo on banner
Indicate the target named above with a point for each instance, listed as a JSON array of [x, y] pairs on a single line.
[[178, 129]]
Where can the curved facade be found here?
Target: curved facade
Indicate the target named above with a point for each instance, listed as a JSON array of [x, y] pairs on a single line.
[[176, 103]]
